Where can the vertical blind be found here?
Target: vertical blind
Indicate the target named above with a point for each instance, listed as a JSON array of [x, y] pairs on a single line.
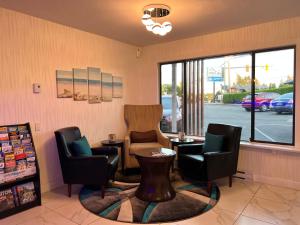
[[193, 116]]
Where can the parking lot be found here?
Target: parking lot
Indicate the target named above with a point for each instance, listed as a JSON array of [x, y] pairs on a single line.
[[269, 126]]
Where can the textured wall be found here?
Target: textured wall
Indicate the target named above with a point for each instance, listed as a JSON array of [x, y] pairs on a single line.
[[269, 166], [31, 50]]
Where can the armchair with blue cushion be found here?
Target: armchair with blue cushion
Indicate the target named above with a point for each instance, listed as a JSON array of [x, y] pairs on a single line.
[[81, 164], [217, 157]]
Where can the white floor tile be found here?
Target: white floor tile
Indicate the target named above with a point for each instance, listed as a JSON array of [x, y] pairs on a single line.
[[243, 220], [273, 212]]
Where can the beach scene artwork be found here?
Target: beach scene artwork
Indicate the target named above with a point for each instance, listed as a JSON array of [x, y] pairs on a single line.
[[64, 83], [106, 87], [94, 85], [117, 87], [80, 87]]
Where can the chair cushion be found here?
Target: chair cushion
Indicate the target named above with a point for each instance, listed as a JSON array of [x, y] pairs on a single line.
[[143, 137], [213, 143], [135, 147], [81, 147], [193, 157]]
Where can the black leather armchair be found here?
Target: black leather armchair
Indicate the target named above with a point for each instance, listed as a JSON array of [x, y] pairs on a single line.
[[88, 170], [194, 163]]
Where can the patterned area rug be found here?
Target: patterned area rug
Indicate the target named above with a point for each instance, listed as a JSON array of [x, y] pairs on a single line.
[[120, 203]]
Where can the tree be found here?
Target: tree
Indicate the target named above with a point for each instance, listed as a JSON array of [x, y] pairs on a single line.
[[179, 90], [166, 89], [243, 81], [272, 85]]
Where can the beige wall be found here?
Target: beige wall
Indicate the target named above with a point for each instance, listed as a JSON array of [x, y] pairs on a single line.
[[31, 50], [270, 166]]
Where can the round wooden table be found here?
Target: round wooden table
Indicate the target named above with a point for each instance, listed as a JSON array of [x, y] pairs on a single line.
[[155, 184]]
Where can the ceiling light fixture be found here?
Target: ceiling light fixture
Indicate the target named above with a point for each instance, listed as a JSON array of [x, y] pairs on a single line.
[[150, 15]]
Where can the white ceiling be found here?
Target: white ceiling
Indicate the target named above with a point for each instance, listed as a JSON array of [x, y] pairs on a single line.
[[121, 19]]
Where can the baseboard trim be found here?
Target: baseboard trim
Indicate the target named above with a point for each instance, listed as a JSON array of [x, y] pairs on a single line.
[[273, 181], [50, 185]]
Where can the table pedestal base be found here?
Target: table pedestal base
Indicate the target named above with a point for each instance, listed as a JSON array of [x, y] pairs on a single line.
[[155, 185]]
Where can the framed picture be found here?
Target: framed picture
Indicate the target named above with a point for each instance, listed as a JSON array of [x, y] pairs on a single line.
[[80, 87], [94, 85], [117, 87], [64, 84], [106, 81]]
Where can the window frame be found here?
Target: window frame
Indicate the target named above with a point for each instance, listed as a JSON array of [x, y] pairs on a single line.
[[252, 53]]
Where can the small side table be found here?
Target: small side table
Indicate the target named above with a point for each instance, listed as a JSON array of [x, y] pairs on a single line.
[[117, 143], [176, 142]]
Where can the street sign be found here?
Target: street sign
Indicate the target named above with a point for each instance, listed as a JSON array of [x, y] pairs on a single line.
[[215, 79], [215, 74]]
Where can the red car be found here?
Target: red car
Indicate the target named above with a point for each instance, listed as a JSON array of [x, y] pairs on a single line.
[[262, 101]]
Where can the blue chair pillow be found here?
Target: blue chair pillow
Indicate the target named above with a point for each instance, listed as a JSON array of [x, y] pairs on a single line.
[[213, 143], [81, 147]]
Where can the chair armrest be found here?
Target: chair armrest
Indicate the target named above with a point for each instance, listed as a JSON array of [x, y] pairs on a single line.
[[127, 141], [105, 150], [163, 140], [88, 163], [190, 148], [87, 159], [218, 164], [217, 155], [86, 170]]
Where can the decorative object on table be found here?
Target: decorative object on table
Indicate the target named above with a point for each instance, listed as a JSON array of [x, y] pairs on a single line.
[[95, 169], [19, 170], [80, 87], [94, 85], [142, 120], [112, 137], [216, 158], [117, 87], [64, 84], [117, 143], [181, 136], [191, 200], [106, 81], [155, 184]]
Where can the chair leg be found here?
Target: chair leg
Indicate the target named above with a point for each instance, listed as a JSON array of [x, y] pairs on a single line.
[[230, 181], [209, 186], [69, 190], [102, 191]]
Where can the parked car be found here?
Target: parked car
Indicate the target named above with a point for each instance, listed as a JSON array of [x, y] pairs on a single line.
[[262, 101], [166, 123], [284, 103]]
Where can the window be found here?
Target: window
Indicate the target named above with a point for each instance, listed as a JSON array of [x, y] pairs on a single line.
[[171, 97], [227, 80], [274, 99], [254, 90]]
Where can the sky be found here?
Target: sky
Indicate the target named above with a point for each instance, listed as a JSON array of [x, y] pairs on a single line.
[[280, 65]]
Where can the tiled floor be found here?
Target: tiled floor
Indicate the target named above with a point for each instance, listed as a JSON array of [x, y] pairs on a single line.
[[246, 203]]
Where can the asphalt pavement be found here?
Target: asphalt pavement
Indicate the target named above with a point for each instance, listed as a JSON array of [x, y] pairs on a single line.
[[269, 126]]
